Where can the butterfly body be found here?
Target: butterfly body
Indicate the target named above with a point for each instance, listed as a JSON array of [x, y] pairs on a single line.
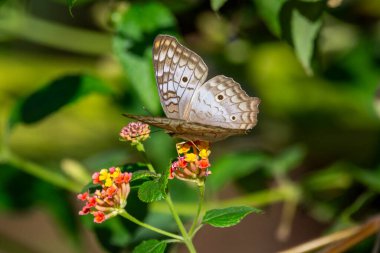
[[197, 109], [187, 130]]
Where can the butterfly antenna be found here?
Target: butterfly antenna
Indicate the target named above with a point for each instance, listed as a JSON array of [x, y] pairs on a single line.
[[177, 145], [195, 146], [156, 131]]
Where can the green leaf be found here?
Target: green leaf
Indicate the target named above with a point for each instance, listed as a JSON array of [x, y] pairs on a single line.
[[151, 191], [234, 166], [217, 4], [53, 97], [269, 10], [296, 21], [227, 217], [150, 246], [154, 190], [136, 30], [304, 32]]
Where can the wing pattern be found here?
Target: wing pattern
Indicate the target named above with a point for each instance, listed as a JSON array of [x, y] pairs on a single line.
[[222, 102], [179, 71]]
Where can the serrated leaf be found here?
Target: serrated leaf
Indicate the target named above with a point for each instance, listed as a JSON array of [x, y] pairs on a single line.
[[217, 4], [241, 164], [270, 10], [227, 217], [136, 31], [54, 96], [150, 246], [154, 190], [304, 32], [163, 181], [150, 191]]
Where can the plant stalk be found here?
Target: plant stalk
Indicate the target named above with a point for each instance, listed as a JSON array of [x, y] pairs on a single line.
[[186, 238], [201, 187], [126, 215]]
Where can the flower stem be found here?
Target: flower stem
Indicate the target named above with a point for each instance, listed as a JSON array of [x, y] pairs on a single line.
[[186, 238], [126, 215], [200, 204], [140, 148]]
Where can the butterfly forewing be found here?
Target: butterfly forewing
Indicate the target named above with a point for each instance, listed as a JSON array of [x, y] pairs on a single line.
[[179, 72]]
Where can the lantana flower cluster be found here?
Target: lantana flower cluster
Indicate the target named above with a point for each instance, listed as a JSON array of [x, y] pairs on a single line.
[[192, 163], [108, 201], [135, 132]]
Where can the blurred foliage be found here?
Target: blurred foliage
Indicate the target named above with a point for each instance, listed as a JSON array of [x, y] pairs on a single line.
[[66, 79]]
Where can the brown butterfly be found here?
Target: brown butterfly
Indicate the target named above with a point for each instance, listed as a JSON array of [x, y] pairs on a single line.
[[196, 109]]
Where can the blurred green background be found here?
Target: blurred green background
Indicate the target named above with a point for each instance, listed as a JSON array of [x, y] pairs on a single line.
[[312, 161]]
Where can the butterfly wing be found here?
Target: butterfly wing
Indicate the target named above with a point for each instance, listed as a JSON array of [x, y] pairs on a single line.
[[197, 110], [179, 72], [188, 130], [222, 102]]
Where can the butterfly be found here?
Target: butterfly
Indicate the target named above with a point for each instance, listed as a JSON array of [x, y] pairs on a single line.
[[197, 109]]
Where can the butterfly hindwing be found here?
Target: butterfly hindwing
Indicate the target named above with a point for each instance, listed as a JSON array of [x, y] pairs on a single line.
[[222, 102], [179, 72]]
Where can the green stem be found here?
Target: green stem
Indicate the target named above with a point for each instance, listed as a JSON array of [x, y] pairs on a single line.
[[185, 235], [200, 204], [172, 240], [140, 148], [126, 215]]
